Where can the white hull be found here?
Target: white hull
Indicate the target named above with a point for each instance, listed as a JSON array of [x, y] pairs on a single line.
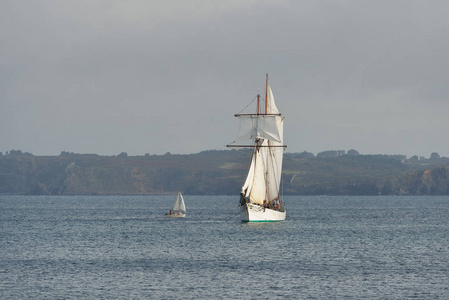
[[176, 216], [256, 213]]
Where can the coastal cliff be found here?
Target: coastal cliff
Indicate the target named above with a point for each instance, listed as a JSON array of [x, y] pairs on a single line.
[[220, 173], [427, 182]]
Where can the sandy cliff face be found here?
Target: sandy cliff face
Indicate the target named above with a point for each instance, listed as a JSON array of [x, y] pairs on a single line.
[[428, 182], [100, 181]]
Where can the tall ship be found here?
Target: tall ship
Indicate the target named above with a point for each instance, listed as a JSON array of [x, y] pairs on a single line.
[[260, 197]]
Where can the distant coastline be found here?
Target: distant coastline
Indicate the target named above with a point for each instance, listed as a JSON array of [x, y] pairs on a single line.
[[220, 172]]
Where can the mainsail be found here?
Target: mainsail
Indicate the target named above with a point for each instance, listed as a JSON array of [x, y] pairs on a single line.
[[179, 204]]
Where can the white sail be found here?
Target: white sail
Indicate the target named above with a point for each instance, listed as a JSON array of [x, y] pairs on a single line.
[[182, 206], [258, 188], [246, 189], [275, 153], [271, 106], [274, 168], [179, 204], [258, 127]]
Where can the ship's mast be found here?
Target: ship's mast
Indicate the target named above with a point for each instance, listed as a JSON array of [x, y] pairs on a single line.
[[266, 171], [266, 96]]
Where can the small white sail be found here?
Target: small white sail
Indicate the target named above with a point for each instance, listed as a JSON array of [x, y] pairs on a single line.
[[179, 209], [179, 204], [182, 207]]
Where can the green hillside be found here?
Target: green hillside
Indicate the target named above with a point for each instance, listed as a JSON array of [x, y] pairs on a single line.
[[219, 173]]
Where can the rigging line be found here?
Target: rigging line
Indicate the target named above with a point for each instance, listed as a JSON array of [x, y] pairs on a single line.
[[233, 216], [265, 100], [248, 104], [281, 197]]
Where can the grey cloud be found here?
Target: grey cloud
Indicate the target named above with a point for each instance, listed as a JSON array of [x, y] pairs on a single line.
[[152, 76]]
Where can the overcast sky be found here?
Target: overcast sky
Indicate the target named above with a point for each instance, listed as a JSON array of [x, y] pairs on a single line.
[[145, 76]]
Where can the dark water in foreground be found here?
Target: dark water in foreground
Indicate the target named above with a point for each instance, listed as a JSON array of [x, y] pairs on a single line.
[[124, 247]]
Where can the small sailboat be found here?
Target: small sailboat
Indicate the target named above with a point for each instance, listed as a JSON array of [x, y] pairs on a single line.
[[260, 195], [179, 210]]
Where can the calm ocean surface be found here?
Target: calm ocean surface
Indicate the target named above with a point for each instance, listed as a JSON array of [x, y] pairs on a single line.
[[123, 247]]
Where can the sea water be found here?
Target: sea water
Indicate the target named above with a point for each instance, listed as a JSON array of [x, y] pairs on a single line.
[[123, 247]]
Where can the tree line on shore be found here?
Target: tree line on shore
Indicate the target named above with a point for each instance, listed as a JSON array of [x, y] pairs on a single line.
[[221, 172]]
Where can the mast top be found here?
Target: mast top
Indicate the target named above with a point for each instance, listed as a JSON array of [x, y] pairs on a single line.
[[266, 95]]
